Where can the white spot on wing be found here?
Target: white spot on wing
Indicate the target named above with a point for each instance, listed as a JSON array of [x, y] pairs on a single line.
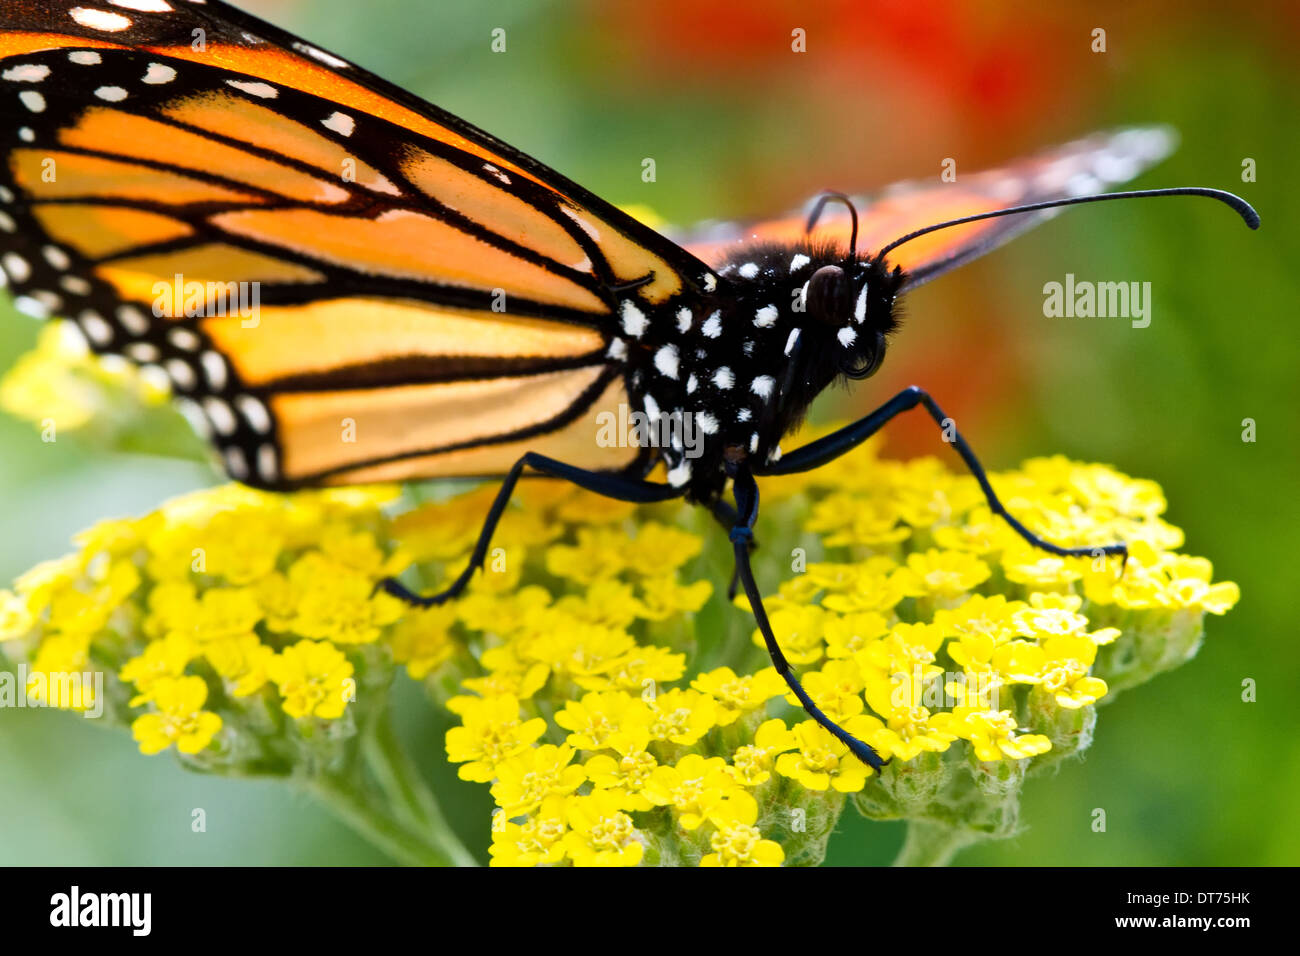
[[156, 378], [32, 100], [159, 73], [180, 373], [748, 270], [85, 58], [96, 329], [341, 123], [268, 468], [254, 88], [254, 412], [100, 19], [683, 319], [798, 262], [144, 6], [184, 339], [860, 309], [219, 413], [789, 343], [16, 266], [132, 319], [236, 464], [723, 378], [766, 317], [712, 327], [142, 352], [214, 369], [112, 94], [26, 73], [762, 386], [75, 284]]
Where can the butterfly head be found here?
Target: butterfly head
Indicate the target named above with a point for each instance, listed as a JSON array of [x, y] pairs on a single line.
[[854, 302], [840, 311]]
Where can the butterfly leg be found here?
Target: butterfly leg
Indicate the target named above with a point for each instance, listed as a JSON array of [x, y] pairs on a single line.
[[611, 486], [728, 517], [742, 536], [834, 445]]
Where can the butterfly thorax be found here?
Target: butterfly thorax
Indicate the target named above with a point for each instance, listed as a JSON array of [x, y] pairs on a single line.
[[729, 373]]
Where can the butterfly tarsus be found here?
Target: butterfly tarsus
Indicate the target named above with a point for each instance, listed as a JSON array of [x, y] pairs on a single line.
[[742, 537], [400, 591], [832, 446], [614, 486]]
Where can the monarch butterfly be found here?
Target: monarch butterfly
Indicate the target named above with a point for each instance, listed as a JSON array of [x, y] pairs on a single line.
[[470, 310]]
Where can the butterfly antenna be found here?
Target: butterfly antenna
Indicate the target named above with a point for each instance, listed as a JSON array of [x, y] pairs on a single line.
[[1239, 205], [820, 205]]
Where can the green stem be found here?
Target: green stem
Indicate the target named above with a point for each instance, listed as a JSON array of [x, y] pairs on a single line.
[[398, 841], [409, 798], [932, 844]]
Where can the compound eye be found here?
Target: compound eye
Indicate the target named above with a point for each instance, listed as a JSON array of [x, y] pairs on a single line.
[[865, 365], [828, 295]]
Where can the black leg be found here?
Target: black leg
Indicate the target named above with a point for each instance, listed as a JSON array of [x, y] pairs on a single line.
[[849, 437], [742, 535], [611, 486], [728, 517]]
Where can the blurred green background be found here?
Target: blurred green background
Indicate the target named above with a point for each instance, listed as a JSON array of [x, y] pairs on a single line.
[[739, 125]]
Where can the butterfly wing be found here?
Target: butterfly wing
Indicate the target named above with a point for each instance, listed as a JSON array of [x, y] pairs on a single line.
[[342, 282], [1085, 166]]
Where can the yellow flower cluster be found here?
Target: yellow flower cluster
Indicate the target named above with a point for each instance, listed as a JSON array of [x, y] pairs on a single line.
[[934, 623], [937, 610], [607, 704], [592, 649], [219, 595], [61, 384]]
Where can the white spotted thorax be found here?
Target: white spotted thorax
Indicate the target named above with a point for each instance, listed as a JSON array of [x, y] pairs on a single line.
[[742, 362]]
